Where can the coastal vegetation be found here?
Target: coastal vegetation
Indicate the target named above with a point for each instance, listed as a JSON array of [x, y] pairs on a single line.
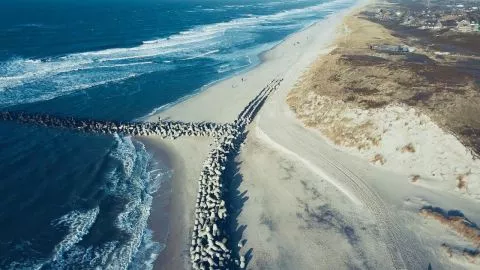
[[446, 88], [410, 107]]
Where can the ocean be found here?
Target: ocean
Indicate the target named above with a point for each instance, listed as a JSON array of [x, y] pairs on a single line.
[[79, 201]]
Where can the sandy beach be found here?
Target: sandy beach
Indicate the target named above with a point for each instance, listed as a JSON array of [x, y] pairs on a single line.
[[305, 203], [282, 135], [221, 103]]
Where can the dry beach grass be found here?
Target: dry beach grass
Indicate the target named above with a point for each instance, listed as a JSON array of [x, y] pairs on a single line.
[[298, 201], [406, 113], [365, 79], [456, 222]]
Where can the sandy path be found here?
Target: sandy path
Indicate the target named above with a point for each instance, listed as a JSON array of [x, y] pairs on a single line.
[[305, 222], [222, 102], [383, 196], [294, 220], [289, 137]]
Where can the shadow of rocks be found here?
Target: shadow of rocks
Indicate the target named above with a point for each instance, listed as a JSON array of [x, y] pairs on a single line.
[[248, 256], [234, 202]]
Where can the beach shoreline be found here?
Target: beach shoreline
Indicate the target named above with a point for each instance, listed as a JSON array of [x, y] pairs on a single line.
[[220, 102]]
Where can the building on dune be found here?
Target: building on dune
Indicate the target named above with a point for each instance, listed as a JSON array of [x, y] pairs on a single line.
[[466, 26]]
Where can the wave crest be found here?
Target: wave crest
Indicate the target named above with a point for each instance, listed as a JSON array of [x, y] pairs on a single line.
[[78, 224], [27, 80]]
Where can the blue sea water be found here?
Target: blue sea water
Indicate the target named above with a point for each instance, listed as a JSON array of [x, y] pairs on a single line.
[[77, 201]]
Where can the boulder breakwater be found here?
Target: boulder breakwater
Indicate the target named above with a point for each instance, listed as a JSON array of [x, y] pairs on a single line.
[[163, 128], [210, 245]]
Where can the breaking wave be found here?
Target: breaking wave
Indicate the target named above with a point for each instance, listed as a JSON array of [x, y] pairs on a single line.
[[78, 224], [31, 80], [133, 180]]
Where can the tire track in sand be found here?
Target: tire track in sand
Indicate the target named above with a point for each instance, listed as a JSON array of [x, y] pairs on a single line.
[[401, 247]]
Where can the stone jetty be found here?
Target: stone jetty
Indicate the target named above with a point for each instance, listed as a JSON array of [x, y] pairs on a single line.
[[210, 247], [165, 129]]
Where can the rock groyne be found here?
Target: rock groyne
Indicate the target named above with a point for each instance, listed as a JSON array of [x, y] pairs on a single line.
[[165, 129], [210, 247]]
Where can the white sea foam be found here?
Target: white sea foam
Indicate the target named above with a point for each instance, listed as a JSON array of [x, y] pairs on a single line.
[[145, 256], [139, 182], [279, 3], [126, 154], [31, 25], [126, 65], [157, 110], [51, 77], [133, 180], [78, 224], [225, 68], [202, 55]]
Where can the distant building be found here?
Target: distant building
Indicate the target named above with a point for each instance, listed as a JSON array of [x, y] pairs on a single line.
[[432, 24], [466, 26], [475, 26], [391, 49], [463, 26]]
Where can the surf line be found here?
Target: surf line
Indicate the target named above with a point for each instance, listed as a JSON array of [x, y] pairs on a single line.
[[210, 247]]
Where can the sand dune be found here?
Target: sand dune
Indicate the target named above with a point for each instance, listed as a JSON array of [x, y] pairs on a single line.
[[297, 200]]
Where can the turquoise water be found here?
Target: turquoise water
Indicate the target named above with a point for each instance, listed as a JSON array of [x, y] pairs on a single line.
[[77, 201]]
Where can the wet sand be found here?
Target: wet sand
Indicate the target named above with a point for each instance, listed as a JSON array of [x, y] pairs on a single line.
[[221, 103]]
